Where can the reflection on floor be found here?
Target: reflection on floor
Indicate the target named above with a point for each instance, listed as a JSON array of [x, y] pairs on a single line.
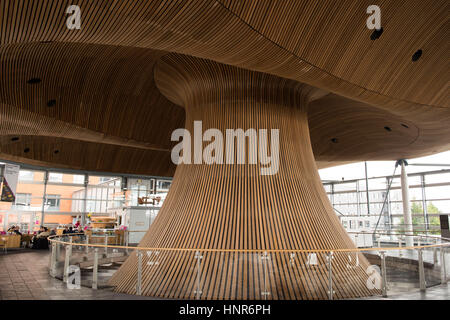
[[24, 276]]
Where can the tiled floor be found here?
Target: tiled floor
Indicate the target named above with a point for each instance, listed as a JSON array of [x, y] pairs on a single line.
[[441, 292], [24, 276]]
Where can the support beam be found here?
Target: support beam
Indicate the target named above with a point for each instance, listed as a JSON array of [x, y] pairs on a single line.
[[234, 206], [407, 217], [44, 198]]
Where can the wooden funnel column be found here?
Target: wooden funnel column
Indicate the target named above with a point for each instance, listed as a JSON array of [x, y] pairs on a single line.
[[234, 206]]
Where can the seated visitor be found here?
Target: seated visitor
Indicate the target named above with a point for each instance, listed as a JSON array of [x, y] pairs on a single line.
[[40, 240], [66, 230], [16, 230]]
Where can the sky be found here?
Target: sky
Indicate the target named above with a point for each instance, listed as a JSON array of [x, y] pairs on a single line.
[[383, 168]]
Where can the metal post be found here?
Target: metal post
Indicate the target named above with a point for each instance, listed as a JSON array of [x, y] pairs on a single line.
[[332, 194], [87, 242], [330, 276], [44, 196], [358, 210], [127, 235], [83, 215], [53, 261], [383, 274], [106, 243], [95, 270], [424, 203], [435, 257], [367, 189], [139, 273], [70, 245], [389, 206], [406, 205], [400, 252], [265, 257], [443, 267], [66, 262], [198, 292], [58, 251], [423, 285]]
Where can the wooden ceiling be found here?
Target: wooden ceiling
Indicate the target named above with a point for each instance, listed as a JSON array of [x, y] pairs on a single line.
[[96, 106]]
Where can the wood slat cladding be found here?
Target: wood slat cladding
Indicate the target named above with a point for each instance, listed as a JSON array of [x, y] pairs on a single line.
[[233, 206], [332, 35], [103, 95], [325, 44], [99, 80]]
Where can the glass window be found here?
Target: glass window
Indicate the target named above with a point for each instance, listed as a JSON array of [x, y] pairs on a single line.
[[26, 175], [78, 179], [23, 199], [53, 202], [55, 177], [164, 184]]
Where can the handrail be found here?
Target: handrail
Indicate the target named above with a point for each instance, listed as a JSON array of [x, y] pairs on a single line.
[[51, 239]]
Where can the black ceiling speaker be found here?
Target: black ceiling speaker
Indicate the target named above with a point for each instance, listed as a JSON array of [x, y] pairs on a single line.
[[51, 103], [34, 81], [416, 56]]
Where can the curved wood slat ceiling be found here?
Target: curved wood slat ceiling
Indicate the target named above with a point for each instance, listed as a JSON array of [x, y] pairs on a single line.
[[234, 207], [102, 75]]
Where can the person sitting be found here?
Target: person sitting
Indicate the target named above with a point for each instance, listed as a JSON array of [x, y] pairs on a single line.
[[79, 229], [70, 230], [41, 229], [66, 230], [53, 232], [40, 240], [11, 229], [16, 230]]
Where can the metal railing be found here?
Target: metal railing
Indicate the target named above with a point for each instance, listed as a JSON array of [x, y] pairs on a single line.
[[393, 268]]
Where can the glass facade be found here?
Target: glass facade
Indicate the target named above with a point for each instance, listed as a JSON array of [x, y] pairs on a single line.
[[429, 194], [64, 198]]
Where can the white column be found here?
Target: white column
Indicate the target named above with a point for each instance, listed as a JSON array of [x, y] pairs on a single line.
[[406, 206]]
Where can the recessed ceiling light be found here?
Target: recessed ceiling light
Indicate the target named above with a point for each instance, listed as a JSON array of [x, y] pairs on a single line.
[[376, 34], [26, 150], [405, 126], [56, 151], [334, 140], [416, 56], [34, 81], [15, 139], [388, 129]]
